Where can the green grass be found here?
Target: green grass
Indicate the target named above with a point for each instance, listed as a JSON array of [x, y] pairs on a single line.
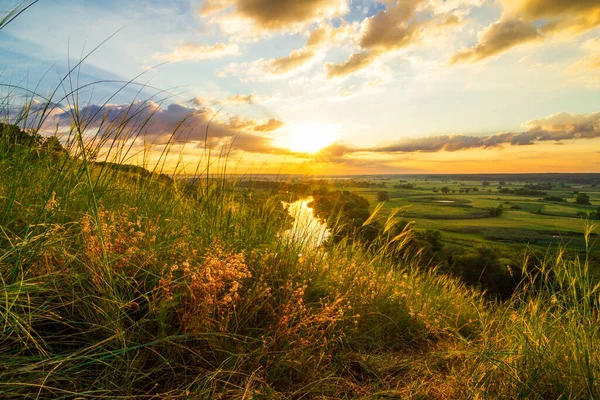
[[463, 218], [119, 283]]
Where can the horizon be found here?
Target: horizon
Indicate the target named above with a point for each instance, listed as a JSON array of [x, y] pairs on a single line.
[[408, 174], [326, 87]]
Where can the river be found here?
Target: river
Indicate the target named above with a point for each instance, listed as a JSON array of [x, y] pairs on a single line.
[[307, 230]]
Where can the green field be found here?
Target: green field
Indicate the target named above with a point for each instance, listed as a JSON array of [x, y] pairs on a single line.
[[463, 218]]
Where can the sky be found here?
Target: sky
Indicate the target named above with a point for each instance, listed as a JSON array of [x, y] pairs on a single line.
[[321, 86]]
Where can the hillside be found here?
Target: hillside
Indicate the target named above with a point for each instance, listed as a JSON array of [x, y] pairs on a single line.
[[119, 283]]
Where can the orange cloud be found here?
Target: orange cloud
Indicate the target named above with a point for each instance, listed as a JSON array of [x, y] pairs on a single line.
[[400, 26], [515, 26], [270, 125], [356, 62], [571, 15], [289, 63], [320, 37], [497, 38], [393, 28]]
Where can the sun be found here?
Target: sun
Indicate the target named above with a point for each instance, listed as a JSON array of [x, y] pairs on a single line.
[[310, 138]]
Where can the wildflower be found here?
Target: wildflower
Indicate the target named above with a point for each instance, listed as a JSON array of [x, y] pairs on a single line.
[[52, 203]]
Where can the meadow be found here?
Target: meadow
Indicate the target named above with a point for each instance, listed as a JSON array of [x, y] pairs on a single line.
[[120, 282], [536, 221]]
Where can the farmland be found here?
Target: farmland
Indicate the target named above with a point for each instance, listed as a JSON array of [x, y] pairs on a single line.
[[459, 207]]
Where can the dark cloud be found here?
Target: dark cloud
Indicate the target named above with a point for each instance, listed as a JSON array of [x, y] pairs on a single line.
[[278, 14], [498, 38], [174, 122], [558, 127]]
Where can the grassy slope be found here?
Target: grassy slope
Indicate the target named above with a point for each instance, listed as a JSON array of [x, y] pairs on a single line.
[[117, 284]]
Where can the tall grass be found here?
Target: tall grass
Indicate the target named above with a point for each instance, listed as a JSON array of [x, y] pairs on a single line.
[[121, 282], [543, 343]]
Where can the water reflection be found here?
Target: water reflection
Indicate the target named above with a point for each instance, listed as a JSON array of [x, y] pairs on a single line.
[[306, 230]]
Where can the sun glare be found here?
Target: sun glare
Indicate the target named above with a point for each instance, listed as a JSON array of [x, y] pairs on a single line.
[[310, 138]]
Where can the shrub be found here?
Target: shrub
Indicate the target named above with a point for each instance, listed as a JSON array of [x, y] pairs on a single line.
[[583, 199], [496, 212], [383, 195]]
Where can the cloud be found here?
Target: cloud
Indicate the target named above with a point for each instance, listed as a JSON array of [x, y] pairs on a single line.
[[558, 127], [401, 25], [515, 26], [393, 28], [277, 15], [591, 62], [236, 100], [573, 125], [498, 38], [197, 51], [239, 99], [175, 122], [201, 101], [289, 63], [327, 36], [450, 20], [356, 62], [574, 16], [319, 39], [347, 92], [270, 125]]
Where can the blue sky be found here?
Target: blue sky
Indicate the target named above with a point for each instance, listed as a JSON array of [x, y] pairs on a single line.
[[352, 76]]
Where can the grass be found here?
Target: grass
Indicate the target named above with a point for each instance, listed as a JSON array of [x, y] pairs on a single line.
[[120, 283], [527, 222]]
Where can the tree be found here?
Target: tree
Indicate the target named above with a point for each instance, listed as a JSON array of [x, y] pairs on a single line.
[[383, 195], [496, 212], [485, 183], [583, 199], [445, 189], [53, 144], [598, 213], [482, 267]]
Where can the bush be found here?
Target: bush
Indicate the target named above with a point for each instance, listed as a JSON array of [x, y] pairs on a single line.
[[583, 199], [482, 268], [383, 195], [554, 198], [496, 212]]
